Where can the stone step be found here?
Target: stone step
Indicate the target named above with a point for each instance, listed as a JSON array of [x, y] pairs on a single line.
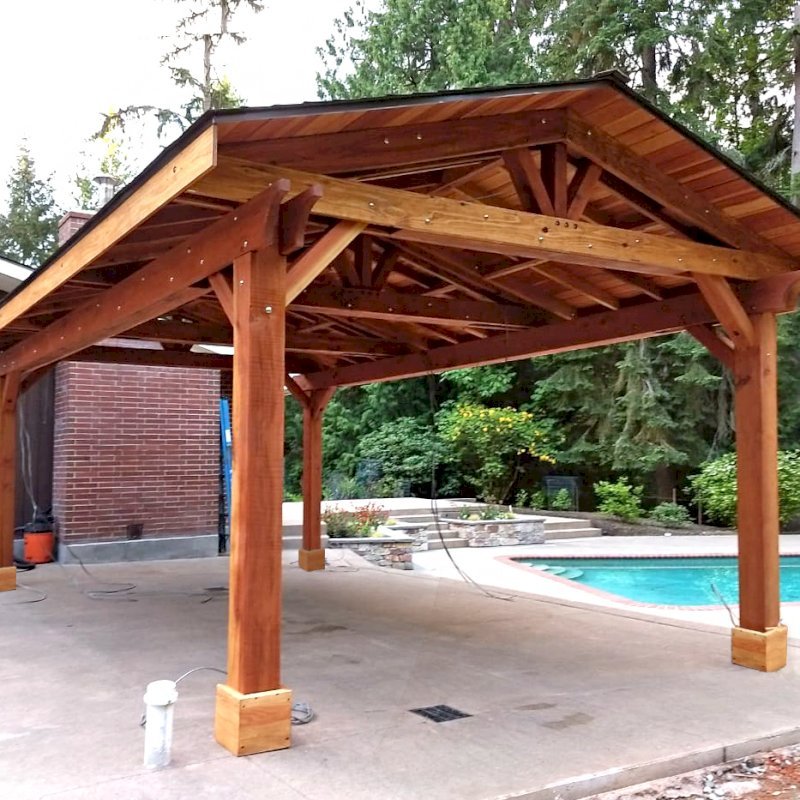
[[566, 524], [572, 533], [452, 543]]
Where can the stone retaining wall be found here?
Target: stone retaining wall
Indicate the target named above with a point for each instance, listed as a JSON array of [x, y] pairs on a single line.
[[394, 551], [499, 532]]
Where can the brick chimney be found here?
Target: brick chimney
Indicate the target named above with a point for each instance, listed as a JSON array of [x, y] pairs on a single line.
[[71, 223]]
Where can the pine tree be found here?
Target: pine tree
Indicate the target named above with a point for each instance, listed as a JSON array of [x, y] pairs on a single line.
[[205, 25], [29, 229]]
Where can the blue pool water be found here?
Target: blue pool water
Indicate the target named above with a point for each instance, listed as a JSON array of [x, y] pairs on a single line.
[[665, 581]]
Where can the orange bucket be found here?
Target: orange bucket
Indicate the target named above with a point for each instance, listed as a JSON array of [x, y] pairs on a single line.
[[37, 547]]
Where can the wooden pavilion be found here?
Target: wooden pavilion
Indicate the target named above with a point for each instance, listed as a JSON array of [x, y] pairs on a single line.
[[353, 242]]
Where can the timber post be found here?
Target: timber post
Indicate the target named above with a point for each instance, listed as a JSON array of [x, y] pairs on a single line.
[[8, 473], [253, 710], [312, 555], [760, 641]]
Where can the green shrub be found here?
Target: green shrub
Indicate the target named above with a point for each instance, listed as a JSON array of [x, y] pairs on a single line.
[[715, 487], [671, 514], [619, 499], [561, 500]]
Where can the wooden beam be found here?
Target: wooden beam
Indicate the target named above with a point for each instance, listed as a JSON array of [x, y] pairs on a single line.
[[463, 275], [154, 289], [314, 261], [257, 491], [609, 327], [722, 351], [196, 159], [643, 175], [297, 342], [393, 305], [575, 282], [312, 556], [648, 207], [527, 179], [554, 175], [380, 148], [363, 260], [755, 378], [222, 289], [477, 226], [583, 183], [294, 219], [296, 390], [9, 391], [725, 304], [521, 289], [384, 266], [644, 285], [778, 294]]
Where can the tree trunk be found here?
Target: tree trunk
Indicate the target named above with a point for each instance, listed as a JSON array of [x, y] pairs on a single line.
[[649, 70]]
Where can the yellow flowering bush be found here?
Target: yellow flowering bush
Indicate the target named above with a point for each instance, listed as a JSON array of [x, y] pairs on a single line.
[[491, 444]]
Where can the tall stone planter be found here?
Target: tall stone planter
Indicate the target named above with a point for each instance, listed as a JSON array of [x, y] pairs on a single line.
[[500, 532]]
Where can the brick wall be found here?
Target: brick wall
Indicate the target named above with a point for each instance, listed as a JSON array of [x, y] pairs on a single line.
[[135, 444]]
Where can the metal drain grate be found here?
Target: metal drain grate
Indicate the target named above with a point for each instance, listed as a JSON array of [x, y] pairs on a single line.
[[439, 713]]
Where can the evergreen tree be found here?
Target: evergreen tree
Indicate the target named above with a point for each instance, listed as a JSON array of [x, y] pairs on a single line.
[[29, 229], [203, 28]]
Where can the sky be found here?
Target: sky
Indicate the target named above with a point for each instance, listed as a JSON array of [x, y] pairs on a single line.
[[64, 63]]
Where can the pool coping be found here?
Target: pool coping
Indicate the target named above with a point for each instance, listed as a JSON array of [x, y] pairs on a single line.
[[625, 601]]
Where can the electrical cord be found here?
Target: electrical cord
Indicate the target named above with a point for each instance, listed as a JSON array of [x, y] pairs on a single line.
[[718, 593], [42, 596], [435, 507], [123, 590], [302, 713]]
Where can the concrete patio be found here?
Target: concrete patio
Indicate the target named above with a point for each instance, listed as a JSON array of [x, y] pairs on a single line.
[[565, 700]]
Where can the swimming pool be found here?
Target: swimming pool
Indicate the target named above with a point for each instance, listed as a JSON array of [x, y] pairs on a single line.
[[665, 581]]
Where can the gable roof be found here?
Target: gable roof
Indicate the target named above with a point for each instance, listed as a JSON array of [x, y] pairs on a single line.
[[591, 147]]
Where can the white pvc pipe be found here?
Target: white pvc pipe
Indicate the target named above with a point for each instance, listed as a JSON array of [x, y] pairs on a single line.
[[160, 700]]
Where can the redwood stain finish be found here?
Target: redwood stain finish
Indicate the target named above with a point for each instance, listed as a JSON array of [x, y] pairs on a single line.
[[254, 624], [8, 470], [755, 374], [313, 412]]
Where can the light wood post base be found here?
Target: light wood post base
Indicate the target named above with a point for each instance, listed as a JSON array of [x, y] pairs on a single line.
[[8, 579], [253, 723], [757, 650], [311, 560]]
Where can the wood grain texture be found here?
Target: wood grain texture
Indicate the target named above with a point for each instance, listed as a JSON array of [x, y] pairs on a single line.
[[376, 148], [312, 471], [180, 172], [398, 306], [9, 392], [756, 414], [609, 327], [8, 579], [248, 723], [154, 289], [726, 305], [616, 158], [315, 260], [493, 229], [254, 620], [311, 560], [765, 651]]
